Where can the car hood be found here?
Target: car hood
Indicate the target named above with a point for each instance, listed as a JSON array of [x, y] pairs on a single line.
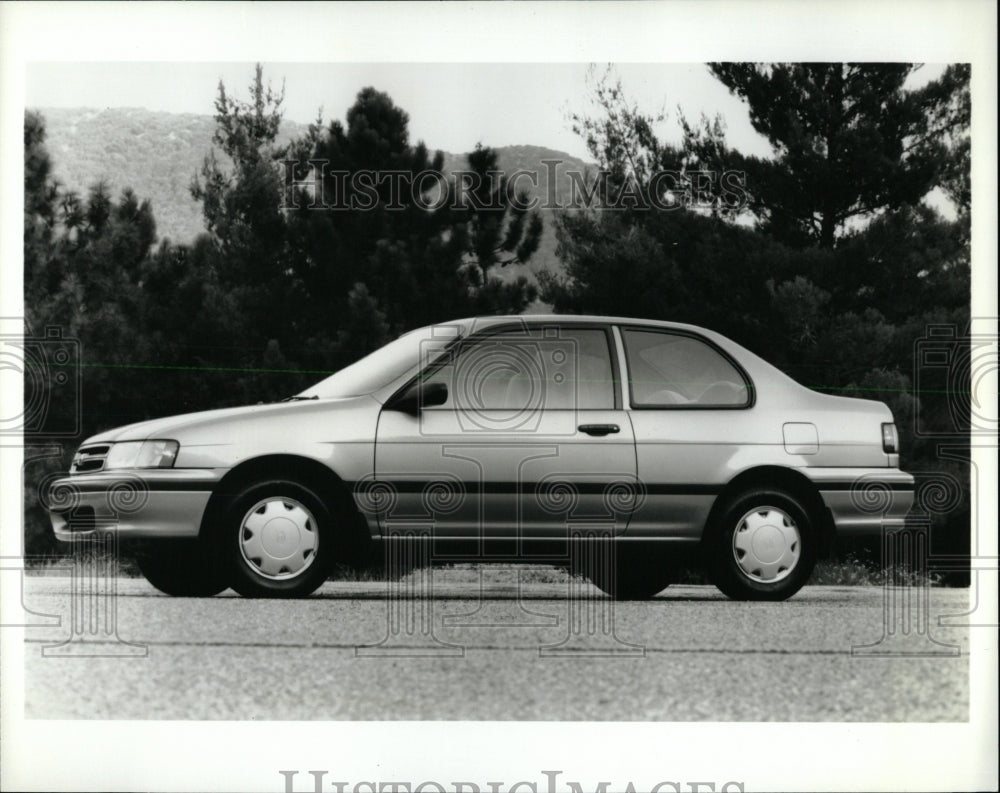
[[190, 426]]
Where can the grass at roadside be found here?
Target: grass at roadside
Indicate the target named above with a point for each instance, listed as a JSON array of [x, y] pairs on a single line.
[[851, 571]]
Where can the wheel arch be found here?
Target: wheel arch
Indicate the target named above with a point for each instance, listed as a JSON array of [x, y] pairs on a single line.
[[328, 485], [776, 476]]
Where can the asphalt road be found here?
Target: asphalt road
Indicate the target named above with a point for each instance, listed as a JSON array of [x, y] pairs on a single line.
[[501, 647]]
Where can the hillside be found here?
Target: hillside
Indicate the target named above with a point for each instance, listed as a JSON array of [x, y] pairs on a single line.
[[157, 155]]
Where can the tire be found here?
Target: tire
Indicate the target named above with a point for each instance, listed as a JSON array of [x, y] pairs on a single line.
[[277, 540], [763, 546], [182, 568], [627, 574]]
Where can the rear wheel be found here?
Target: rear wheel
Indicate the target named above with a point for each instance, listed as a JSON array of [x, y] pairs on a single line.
[[763, 546], [183, 568], [277, 540]]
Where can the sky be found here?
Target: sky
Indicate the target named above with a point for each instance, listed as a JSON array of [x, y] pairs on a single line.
[[451, 106]]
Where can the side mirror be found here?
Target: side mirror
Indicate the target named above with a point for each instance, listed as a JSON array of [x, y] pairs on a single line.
[[419, 395]]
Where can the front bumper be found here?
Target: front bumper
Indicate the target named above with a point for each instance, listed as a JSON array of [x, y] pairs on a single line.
[[154, 503], [864, 501]]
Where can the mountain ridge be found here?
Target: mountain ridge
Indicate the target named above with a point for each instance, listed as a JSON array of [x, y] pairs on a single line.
[[158, 153]]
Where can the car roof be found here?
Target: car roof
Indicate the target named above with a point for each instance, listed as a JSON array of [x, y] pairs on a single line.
[[570, 319]]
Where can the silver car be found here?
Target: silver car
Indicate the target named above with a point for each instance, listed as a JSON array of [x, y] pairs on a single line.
[[613, 446]]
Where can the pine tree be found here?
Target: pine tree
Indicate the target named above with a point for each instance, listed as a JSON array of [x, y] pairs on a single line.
[[849, 140], [501, 231], [242, 210]]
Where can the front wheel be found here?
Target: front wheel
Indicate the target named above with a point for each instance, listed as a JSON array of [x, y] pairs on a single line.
[[277, 540], [762, 547]]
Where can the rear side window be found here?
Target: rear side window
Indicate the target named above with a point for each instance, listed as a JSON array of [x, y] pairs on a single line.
[[675, 370]]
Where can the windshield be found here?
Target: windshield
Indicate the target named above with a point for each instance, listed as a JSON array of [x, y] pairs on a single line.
[[387, 363]]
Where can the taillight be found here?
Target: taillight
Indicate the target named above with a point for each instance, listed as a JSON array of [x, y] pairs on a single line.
[[890, 439]]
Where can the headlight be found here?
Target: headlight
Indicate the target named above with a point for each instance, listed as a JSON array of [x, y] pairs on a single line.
[[142, 454]]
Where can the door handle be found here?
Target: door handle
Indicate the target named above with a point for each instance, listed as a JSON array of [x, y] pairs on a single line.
[[599, 429]]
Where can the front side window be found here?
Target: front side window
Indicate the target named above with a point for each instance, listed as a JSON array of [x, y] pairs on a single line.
[[676, 370], [528, 369]]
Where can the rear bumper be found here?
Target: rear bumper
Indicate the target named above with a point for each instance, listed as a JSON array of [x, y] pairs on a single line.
[[168, 503], [864, 501]]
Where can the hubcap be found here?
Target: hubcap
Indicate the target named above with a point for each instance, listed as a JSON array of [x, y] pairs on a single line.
[[766, 544], [278, 538]]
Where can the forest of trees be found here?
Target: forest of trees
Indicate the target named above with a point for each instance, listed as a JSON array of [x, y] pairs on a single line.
[[832, 269]]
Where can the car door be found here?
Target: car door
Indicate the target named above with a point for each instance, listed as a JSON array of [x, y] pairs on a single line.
[[532, 441], [690, 405]]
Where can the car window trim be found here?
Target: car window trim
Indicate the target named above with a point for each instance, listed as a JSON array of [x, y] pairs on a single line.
[[748, 383], [448, 354]]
